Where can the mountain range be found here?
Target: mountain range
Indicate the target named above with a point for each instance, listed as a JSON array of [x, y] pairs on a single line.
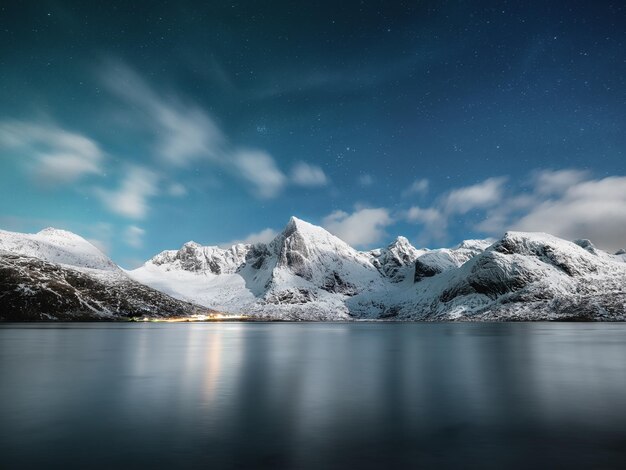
[[306, 273]]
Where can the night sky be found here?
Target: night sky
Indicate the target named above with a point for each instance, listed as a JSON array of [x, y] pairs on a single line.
[[143, 125]]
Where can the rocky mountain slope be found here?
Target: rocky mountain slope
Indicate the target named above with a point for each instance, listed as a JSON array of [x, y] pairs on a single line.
[[307, 273], [57, 275], [524, 276]]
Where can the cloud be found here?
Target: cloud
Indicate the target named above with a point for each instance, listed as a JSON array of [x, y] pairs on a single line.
[[258, 168], [419, 186], [436, 219], [432, 219], [304, 174], [133, 236], [594, 209], [60, 156], [556, 181], [478, 196], [428, 215], [264, 236], [183, 132], [362, 227], [366, 180], [131, 198]]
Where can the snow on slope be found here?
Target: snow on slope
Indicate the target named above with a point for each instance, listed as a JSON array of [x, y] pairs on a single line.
[[55, 274], [591, 248], [437, 261], [196, 258], [524, 276], [56, 246]]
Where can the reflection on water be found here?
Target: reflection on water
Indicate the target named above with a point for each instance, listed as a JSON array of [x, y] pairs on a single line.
[[365, 395]]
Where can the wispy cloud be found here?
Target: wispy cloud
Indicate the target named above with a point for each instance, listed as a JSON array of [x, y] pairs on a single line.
[[433, 221], [183, 132], [305, 174], [57, 156], [362, 227], [133, 236], [478, 196], [263, 236], [419, 187], [260, 169], [130, 199], [557, 181], [459, 201]]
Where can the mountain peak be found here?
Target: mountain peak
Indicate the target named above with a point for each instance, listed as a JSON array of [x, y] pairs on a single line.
[[400, 241], [191, 244], [59, 233], [57, 246], [296, 224], [305, 229]]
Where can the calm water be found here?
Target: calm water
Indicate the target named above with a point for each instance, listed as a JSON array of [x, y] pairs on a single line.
[[312, 396]]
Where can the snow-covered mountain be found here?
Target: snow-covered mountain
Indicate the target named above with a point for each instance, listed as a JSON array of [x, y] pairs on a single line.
[[56, 274], [56, 246], [524, 276], [306, 273]]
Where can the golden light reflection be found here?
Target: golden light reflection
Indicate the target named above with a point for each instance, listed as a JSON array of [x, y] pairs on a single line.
[[196, 318], [213, 366]]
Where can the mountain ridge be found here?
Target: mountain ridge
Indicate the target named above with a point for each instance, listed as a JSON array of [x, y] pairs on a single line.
[[306, 273]]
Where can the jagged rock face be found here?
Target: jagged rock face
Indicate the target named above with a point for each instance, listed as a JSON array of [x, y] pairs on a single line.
[[196, 258], [397, 260], [290, 296], [293, 253], [313, 259], [492, 275]]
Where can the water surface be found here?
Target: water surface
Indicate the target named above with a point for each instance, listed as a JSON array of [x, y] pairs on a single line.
[[312, 396]]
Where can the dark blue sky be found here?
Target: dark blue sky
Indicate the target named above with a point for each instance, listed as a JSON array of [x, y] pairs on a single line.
[[142, 126]]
